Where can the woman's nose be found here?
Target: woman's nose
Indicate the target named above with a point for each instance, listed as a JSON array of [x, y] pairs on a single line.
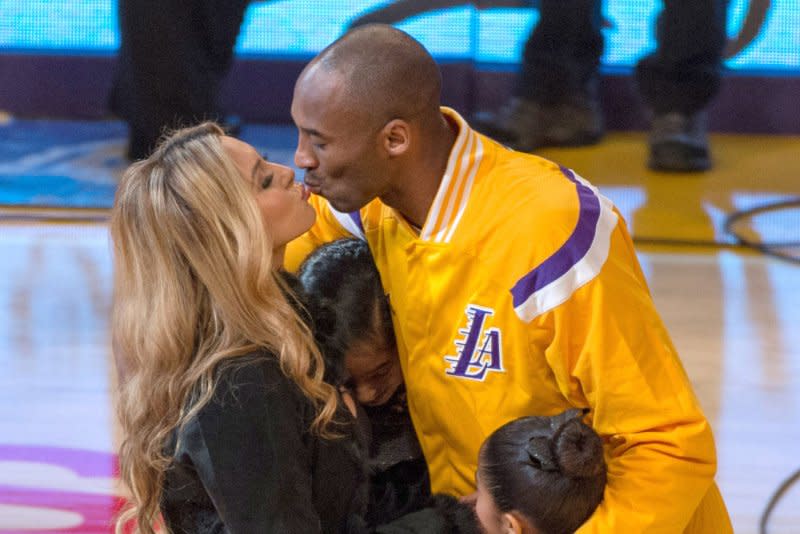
[[288, 176]]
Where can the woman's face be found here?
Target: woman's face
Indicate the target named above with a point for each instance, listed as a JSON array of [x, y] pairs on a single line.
[[283, 202]]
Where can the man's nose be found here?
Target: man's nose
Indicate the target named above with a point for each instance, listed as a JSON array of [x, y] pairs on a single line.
[[303, 156]]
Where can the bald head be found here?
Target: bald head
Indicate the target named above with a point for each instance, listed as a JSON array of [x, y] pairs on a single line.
[[369, 124], [381, 71]]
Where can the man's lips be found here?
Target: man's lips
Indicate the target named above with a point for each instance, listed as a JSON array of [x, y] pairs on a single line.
[[311, 184]]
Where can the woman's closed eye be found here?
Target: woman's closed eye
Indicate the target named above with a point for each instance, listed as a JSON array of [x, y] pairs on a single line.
[[266, 181], [263, 167]]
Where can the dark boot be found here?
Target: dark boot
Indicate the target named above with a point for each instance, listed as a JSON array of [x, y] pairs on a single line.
[[679, 143]]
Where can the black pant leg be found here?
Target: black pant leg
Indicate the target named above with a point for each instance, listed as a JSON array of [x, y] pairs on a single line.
[[562, 53], [684, 73], [222, 22], [172, 59]]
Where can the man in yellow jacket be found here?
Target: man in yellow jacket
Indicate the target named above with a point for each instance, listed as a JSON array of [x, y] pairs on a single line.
[[514, 286]]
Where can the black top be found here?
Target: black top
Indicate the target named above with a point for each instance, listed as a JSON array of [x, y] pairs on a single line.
[[443, 514], [248, 463], [399, 481]]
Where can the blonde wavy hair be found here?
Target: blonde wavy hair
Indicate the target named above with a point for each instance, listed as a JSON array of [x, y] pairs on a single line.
[[194, 287]]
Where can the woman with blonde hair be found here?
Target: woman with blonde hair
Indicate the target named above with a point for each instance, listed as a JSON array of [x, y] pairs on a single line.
[[228, 425]]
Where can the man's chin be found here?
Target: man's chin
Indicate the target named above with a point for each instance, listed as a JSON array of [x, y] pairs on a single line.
[[343, 206]]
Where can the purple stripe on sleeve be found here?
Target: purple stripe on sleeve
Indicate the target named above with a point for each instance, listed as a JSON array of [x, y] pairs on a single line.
[[570, 252], [356, 217]]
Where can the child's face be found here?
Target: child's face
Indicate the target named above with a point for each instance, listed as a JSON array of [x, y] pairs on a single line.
[[492, 520], [489, 516], [374, 369]]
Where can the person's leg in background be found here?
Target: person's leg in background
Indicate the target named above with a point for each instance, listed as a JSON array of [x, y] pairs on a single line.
[[555, 94], [679, 80], [224, 22], [173, 57]]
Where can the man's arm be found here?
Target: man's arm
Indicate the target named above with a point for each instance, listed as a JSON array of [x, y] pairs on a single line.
[[610, 351]]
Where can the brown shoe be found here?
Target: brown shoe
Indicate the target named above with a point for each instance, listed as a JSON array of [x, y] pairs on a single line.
[[526, 124], [679, 143]]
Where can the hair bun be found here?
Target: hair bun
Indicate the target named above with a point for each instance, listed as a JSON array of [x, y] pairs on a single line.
[[541, 455], [578, 450]]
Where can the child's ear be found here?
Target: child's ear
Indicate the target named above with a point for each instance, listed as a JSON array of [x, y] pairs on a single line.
[[511, 523], [514, 523]]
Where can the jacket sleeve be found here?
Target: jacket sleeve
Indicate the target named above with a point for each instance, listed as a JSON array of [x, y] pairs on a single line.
[[609, 351], [247, 446], [326, 228]]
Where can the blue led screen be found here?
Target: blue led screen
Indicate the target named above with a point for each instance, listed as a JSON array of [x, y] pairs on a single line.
[[300, 28]]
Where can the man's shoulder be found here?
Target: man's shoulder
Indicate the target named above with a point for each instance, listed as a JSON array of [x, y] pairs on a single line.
[[531, 217], [536, 179], [526, 195]]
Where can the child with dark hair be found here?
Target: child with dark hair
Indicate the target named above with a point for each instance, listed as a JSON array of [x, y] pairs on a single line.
[[540, 475], [352, 321], [353, 328]]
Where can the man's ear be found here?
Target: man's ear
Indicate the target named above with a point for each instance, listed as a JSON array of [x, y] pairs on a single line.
[[396, 137]]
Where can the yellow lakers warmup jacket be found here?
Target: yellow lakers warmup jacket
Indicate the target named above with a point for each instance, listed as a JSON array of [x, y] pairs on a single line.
[[522, 295]]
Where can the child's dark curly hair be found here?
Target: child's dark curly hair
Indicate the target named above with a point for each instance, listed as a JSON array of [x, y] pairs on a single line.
[[345, 300]]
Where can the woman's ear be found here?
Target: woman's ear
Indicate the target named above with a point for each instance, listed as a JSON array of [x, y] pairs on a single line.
[[396, 137]]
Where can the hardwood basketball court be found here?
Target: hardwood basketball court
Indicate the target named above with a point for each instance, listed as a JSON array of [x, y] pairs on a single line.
[[733, 314]]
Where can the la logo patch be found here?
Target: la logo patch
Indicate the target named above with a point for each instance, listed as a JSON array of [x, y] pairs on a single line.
[[478, 351]]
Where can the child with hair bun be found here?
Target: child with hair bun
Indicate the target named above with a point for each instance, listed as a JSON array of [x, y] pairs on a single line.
[[540, 475]]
